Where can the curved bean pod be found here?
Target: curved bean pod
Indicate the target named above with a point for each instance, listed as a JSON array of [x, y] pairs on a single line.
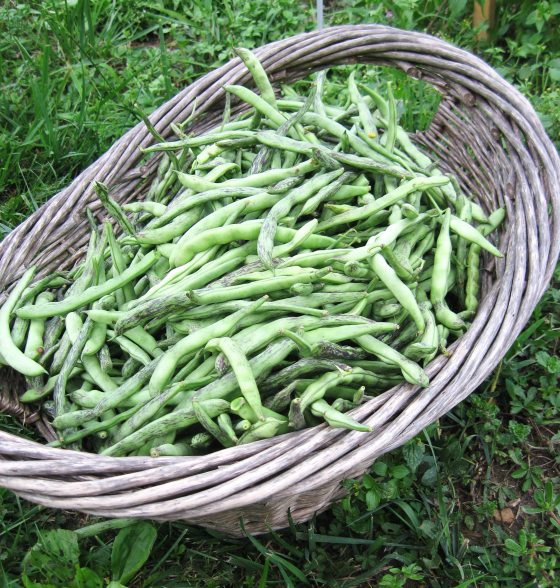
[[178, 419], [335, 418], [34, 345], [440, 274], [259, 180], [248, 230], [399, 290], [11, 355], [264, 430], [154, 208], [90, 294], [242, 370], [259, 74], [212, 296], [412, 372], [110, 401], [393, 197], [281, 209], [468, 232], [170, 358], [175, 209]]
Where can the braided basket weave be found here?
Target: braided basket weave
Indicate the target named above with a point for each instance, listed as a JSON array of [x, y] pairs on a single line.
[[484, 132]]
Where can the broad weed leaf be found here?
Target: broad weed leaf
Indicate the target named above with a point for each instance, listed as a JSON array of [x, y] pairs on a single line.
[[131, 549]]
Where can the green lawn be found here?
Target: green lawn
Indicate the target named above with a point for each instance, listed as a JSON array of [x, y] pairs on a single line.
[[472, 501]]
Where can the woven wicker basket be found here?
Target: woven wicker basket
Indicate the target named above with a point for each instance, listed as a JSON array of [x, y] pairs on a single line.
[[485, 132]]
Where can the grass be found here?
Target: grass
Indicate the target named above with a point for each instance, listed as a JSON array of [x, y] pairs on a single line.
[[472, 501]]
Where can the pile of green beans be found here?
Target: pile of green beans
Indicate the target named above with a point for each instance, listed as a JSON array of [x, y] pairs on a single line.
[[282, 267]]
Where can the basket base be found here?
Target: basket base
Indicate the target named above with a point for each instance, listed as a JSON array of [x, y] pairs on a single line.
[[275, 514]]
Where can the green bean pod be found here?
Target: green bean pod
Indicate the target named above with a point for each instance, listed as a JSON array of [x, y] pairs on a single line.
[[91, 294], [169, 360], [473, 278], [113, 208], [411, 371], [19, 331], [112, 400], [210, 426], [59, 392], [242, 370], [154, 208], [335, 418], [468, 232], [34, 346], [264, 430], [394, 197], [178, 419], [319, 387], [226, 425], [265, 286], [11, 355], [173, 450], [248, 230], [399, 290], [440, 275], [141, 313], [119, 262]]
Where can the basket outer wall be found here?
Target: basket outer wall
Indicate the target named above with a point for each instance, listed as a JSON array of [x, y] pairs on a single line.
[[485, 132]]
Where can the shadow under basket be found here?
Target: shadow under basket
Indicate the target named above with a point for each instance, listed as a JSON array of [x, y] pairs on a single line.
[[485, 132]]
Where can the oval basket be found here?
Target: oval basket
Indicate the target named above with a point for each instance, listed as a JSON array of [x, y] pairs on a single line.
[[485, 132]]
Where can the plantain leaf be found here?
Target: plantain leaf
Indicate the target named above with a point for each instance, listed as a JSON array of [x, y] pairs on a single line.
[[131, 549]]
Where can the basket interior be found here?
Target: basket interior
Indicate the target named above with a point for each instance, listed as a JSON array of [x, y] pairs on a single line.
[[458, 138]]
